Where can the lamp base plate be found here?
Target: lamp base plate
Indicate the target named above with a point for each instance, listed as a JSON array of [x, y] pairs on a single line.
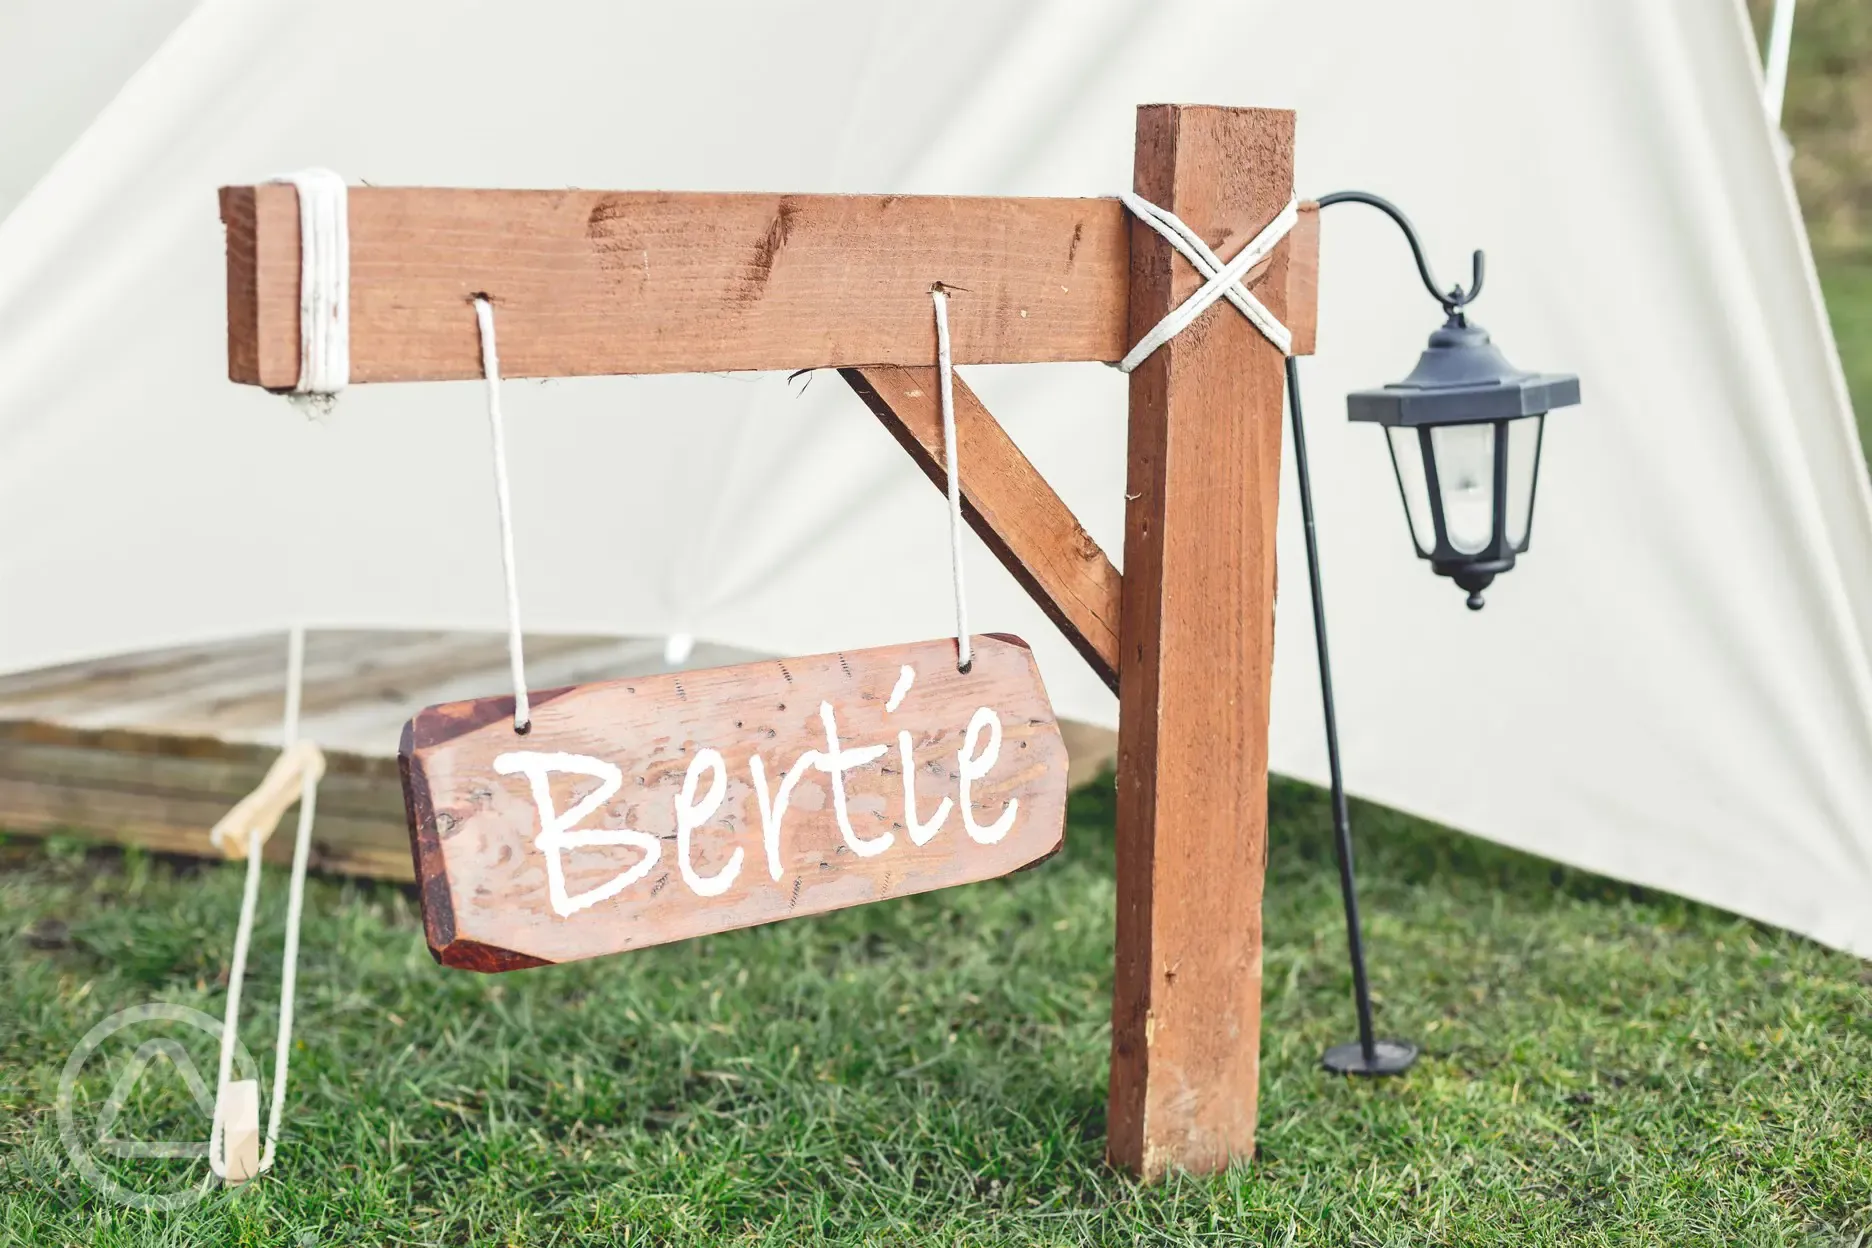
[[1389, 1057]]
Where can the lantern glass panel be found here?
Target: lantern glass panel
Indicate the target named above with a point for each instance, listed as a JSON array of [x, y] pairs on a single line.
[[1465, 469], [1407, 462], [1524, 438]]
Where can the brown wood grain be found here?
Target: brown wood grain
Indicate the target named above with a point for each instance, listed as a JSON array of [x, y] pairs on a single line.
[[1197, 657], [1008, 504], [591, 282], [164, 792], [485, 870], [1303, 244]]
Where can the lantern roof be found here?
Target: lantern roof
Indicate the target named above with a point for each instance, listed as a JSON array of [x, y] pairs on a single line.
[[1462, 378]]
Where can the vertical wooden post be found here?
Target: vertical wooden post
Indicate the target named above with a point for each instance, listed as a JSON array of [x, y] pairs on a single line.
[[1197, 646]]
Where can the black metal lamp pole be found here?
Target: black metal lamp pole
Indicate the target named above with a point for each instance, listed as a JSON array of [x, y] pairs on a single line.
[[1466, 467], [1369, 1056]]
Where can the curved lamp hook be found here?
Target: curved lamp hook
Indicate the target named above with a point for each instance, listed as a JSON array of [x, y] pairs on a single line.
[[1456, 298]]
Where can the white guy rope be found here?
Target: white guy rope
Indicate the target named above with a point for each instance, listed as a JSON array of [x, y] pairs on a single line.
[[289, 967], [324, 283], [945, 368], [243, 938], [1223, 280], [490, 364]]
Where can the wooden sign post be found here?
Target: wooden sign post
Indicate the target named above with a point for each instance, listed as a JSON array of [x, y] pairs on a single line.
[[1197, 655], [631, 282]]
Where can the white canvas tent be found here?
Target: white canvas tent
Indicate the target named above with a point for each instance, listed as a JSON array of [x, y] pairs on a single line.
[[1674, 687]]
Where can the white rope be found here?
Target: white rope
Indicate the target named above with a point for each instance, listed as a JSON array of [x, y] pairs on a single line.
[[945, 368], [490, 365], [230, 1024], [243, 939], [1223, 281], [324, 284], [289, 965]]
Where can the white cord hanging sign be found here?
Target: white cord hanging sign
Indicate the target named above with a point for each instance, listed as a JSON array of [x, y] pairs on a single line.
[[612, 816], [945, 374], [503, 502]]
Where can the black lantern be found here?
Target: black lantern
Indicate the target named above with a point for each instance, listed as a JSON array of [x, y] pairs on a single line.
[[1465, 435]]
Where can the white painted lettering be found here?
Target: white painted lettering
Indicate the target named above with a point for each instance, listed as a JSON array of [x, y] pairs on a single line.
[[920, 833], [556, 830], [691, 815], [974, 766], [905, 679], [697, 803], [772, 813], [835, 763]]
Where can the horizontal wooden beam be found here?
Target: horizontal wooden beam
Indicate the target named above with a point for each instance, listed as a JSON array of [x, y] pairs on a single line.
[[1008, 504], [590, 282], [587, 282]]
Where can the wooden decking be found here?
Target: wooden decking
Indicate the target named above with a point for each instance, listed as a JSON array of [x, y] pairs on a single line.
[[151, 748]]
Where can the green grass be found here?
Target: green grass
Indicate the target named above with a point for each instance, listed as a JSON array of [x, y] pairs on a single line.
[[1601, 1065], [1847, 283]]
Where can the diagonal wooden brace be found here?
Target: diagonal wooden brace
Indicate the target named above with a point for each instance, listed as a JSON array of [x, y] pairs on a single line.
[[1008, 504], [665, 282]]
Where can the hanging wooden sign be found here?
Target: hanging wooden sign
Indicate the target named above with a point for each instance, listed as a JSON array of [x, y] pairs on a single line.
[[637, 812]]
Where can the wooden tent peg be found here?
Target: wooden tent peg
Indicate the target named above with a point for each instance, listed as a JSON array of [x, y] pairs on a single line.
[[239, 1116], [254, 817]]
